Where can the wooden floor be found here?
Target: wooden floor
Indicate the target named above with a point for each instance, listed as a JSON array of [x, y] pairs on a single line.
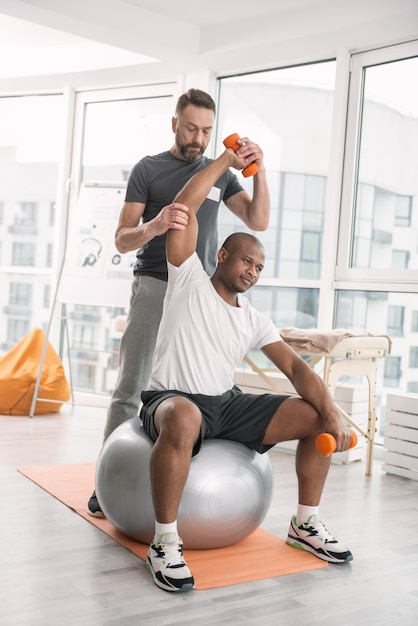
[[56, 568]]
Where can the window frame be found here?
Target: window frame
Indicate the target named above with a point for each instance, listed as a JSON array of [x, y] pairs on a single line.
[[83, 99], [403, 280]]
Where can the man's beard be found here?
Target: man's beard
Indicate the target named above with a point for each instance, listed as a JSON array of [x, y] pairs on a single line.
[[184, 151]]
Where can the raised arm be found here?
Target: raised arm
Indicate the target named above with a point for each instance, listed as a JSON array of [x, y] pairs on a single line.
[[182, 243], [253, 211]]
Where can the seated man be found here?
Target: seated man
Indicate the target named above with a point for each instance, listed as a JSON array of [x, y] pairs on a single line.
[[206, 330]]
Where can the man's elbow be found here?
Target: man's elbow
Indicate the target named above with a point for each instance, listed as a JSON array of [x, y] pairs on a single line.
[[261, 227], [258, 224], [120, 244]]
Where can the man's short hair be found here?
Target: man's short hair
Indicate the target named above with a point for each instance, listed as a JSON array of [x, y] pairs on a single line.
[[236, 240], [198, 98]]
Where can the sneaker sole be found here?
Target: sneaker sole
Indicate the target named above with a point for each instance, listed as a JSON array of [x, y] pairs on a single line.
[[95, 513], [160, 584], [319, 554]]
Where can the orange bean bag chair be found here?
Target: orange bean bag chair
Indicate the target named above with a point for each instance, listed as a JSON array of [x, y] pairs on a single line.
[[19, 370]]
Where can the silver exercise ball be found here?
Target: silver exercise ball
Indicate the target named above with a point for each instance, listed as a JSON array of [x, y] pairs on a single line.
[[226, 497]]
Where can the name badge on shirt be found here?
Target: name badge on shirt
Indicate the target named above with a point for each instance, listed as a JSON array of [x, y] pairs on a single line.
[[214, 194]]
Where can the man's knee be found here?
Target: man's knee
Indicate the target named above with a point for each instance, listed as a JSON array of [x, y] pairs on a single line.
[[179, 419]]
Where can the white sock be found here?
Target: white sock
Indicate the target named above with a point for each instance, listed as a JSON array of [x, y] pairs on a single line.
[[163, 529], [304, 512]]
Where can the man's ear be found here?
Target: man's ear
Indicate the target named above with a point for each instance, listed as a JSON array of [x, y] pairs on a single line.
[[174, 124], [222, 255]]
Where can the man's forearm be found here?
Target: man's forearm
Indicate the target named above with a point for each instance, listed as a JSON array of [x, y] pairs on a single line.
[[198, 186], [259, 210], [128, 239]]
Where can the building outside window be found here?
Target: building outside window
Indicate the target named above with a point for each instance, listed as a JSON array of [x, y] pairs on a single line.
[[113, 130], [29, 158], [289, 113], [380, 208]]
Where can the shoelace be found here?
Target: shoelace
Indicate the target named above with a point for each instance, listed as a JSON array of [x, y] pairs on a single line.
[[171, 552], [321, 531]]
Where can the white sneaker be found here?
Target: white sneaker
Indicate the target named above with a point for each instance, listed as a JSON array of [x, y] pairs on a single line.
[[313, 537], [166, 564]]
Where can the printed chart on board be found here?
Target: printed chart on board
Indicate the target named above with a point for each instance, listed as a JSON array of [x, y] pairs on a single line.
[[94, 272]]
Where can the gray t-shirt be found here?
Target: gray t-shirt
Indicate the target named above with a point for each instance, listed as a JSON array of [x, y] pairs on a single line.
[[155, 181]]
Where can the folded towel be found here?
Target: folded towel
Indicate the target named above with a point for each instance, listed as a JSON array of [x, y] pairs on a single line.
[[315, 340]]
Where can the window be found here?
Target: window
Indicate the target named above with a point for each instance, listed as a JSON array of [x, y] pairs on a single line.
[[373, 269], [288, 112], [392, 373], [23, 254], [302, 210], [84, 377], [413, 356], [120, 127], [377, 244], [396, 316], [52, 210], [49, 253], [403, 211], [26, 214], [20, 294], [84, 337], [16, 329], [354, 310], [310, 249], [391, 314], [31, 144], [113, 130], [286, 306], [47, 296], [400, 259], [380, 186], [414, 321]]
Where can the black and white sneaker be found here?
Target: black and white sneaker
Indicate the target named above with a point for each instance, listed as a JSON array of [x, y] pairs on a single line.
[[93, 506], [313, 537], [166, 564]]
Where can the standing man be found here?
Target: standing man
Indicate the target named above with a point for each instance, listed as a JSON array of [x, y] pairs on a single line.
[[145, 218]]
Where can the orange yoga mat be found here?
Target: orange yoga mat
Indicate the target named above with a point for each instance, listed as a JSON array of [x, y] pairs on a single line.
[[259, 556]]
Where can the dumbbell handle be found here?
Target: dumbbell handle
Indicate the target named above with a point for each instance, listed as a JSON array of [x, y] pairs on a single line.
[[326, 444], [232, 142]]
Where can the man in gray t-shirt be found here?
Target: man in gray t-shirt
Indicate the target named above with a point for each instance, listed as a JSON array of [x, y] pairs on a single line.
[[145, 218]]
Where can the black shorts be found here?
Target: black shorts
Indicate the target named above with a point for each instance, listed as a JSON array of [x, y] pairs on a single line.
[[237, 416]]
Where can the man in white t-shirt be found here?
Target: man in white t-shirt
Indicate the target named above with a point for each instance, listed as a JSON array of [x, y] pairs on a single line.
[[207, 328]]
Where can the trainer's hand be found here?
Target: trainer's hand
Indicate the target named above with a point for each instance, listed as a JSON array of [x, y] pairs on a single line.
[[173, 216], [250, 152]]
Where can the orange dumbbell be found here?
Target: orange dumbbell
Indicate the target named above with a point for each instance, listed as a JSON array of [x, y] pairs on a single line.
[[231, 142], [326, 444]]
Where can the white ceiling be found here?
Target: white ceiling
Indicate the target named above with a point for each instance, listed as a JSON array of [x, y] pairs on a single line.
[[27, 49], [46, 37]]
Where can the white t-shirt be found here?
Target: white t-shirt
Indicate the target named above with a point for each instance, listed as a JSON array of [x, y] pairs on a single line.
[[202, 339]]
